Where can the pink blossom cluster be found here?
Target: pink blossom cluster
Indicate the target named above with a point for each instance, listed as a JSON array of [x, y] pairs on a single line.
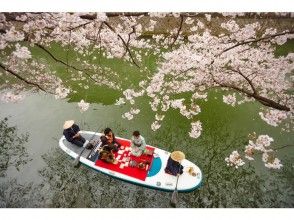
[[155, 125], [273, 117], [262, 144], [83, 106], [272, 163], [196, 129], [130, 115], [230, 99], [11, 97], [61, 92], [234, 160], [120, 101], [130, 94], [22, 52]]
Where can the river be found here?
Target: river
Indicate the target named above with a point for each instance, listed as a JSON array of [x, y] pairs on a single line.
[[38, 183]]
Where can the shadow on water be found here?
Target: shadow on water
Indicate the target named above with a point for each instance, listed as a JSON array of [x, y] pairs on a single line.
[[12, 151], [13, 154]]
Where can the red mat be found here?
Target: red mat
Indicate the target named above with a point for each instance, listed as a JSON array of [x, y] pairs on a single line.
[[135, 172]]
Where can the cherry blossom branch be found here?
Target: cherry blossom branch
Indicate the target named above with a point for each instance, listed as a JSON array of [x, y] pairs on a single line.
[[125, 44], [23, 79], [64, 63], [179, 30], [246, 78], [129, 37], [115, 14], [257, 40], [81, 25], [263, 100]]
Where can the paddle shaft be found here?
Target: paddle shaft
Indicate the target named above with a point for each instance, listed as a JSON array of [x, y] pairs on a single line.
[[177, 183], [77, 159], [174, 198]]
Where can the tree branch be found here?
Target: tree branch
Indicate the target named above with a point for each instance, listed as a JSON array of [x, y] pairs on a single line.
[[257, 40], [179, 30], [115, 14], [246, 78], [263, 100], [125, 44], [129, 38], [64, 63], [23, 79]]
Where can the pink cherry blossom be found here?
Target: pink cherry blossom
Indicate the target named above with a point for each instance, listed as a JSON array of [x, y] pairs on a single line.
[[22, 52], [11, 97], [234, 160], [273, 117], [83, 106], [230, 99], [196, 129]]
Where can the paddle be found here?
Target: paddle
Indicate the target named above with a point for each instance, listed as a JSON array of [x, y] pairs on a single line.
[[174, 198], [77, 159]]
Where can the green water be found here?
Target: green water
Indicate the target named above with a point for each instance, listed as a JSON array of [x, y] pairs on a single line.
[[46, 178]]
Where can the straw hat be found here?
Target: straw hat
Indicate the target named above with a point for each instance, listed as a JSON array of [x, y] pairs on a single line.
[[177, 156], [68, 124]]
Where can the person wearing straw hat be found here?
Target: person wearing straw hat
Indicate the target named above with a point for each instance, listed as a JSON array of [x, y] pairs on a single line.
[[71, 133], [173, 165]]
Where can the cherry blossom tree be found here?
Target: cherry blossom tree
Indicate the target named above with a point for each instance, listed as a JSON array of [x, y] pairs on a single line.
[[196, 54]]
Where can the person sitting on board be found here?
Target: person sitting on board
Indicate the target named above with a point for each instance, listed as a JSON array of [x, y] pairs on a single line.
[[138, 144], [173, 165], [109, 139], [72, 135], [106, 155]]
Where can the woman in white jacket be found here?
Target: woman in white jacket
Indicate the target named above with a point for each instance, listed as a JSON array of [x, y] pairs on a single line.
[[138, 144]]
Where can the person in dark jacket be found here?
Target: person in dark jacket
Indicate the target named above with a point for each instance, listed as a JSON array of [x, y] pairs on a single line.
[[110, 140], [173, 165], [71, 133]]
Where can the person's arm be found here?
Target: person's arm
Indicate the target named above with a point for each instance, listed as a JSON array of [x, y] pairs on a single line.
[[132, 142], [116, 142], [143, 144], [103, 140], [76, 129]]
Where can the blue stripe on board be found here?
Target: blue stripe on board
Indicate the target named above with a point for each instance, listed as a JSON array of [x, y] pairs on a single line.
[[156, 166]]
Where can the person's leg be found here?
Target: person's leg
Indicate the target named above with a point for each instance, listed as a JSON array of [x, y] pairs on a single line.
[[77, 142], [82, 139]]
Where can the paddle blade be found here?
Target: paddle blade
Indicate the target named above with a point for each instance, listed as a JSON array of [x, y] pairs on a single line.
[[77, 161], [174, 199]]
